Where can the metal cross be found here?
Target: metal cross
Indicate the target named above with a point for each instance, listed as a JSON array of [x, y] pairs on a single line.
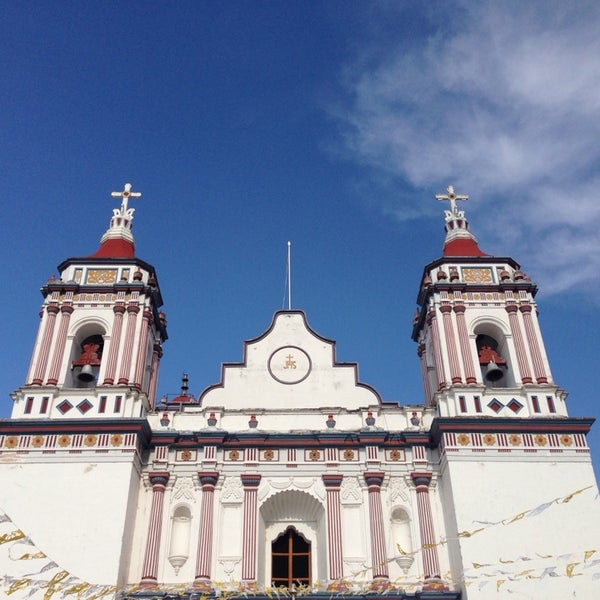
[[125, 195], [452, 197]]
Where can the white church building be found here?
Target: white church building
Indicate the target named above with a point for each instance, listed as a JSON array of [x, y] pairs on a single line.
[[289, 477]]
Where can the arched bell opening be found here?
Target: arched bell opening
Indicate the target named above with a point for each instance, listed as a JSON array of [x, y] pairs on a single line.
[[493, 357], [86, 357]]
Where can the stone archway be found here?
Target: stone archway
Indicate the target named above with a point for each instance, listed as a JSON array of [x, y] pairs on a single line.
[[305, 515]]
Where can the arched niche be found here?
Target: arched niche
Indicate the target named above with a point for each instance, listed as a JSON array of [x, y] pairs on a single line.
[[401, 534], [179, 543], [494, 355]]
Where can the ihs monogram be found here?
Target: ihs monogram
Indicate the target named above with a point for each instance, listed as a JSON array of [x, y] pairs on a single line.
[[290, 363]]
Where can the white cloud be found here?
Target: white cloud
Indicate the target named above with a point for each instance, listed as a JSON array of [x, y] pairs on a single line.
[[502, 100]]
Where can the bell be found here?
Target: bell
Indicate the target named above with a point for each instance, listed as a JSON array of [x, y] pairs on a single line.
[[86, 374], [493, 372]]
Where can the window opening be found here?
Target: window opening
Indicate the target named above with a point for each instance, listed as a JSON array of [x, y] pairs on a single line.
[[290, 559]]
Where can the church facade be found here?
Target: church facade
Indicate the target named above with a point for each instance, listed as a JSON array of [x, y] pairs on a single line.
[[290, 477]]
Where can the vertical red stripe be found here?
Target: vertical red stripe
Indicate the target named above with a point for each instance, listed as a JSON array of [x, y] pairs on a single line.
[[115, 340], [534, 346], [132, 311], [446, 311], [142, 353], [42, 358], [515, 329], [150, 568], [437, 352], [465, 348], [59, 346]]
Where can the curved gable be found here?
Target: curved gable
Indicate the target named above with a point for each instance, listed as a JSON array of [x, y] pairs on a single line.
[[289, 366]]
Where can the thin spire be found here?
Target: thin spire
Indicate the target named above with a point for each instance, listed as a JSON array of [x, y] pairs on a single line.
[[287, 291], [289, 274]]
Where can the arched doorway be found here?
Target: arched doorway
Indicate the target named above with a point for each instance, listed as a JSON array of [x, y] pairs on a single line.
[[290, 559]]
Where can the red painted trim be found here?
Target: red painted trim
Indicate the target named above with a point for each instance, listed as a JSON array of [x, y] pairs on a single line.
[[115, 248], [463, 247]]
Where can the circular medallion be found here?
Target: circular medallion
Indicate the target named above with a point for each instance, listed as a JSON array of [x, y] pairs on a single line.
[[289, 365]]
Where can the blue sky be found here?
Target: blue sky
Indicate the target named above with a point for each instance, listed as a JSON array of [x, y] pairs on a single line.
[[330, 124]]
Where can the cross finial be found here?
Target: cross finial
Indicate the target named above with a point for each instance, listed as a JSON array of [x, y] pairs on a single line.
[[125, 195], [452, 198]]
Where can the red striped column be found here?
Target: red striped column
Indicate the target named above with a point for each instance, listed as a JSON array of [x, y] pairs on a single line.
[[515, 329], [446, 311], [379, 558], [132, 311], [534, 346], [42, 360], [115, 341], [142, 353], [424, 374], [249, 534], [465, 347], [431, 566], [437, 352], [208, 480], [334, 526], [59, 347], [150, 570], [153, 384]]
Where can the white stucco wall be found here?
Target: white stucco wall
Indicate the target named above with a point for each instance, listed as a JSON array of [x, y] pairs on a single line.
[[518, 522], [74, 512]]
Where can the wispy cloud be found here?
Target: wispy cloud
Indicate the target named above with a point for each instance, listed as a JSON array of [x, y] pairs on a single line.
[[503, 100]]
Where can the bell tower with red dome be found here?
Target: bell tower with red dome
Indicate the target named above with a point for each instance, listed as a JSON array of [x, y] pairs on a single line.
[[479, 340], [101, 332], [506, 449]]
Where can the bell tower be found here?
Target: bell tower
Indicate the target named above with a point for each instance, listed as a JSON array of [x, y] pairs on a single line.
[[479, 341], [509, 456], [100, 336]]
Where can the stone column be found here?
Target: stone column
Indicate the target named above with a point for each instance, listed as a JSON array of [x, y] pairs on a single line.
[[150, 569], [59, 347], [249, 532], [115, 341], [156, 356], [465, 349], [44, 352], [446, 311], [424, 374], [132, 311], [378, 555], [515, 329], [142, 352], [534, 346], [208, 480], [437, 352], [334, 526], [431, 565]]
